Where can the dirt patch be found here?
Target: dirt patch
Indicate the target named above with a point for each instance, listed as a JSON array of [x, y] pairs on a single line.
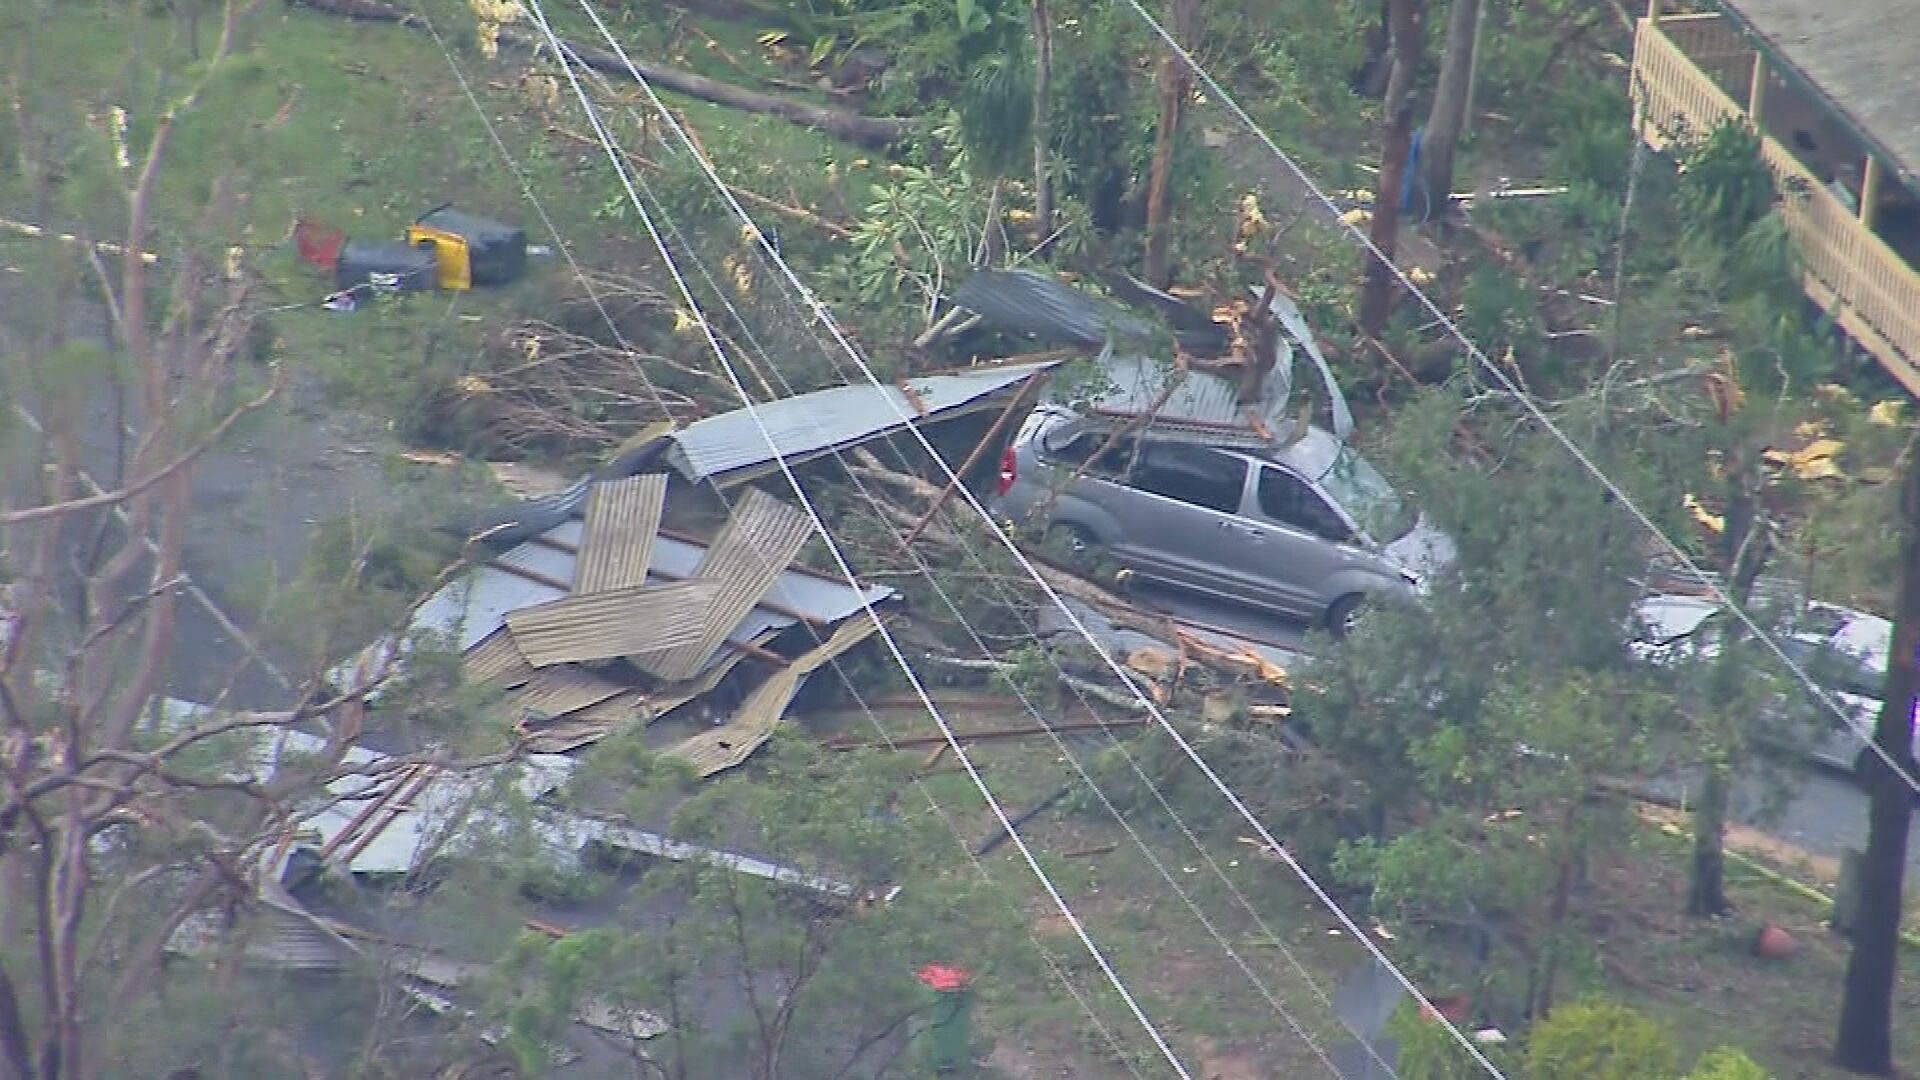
[[1230, 1063]]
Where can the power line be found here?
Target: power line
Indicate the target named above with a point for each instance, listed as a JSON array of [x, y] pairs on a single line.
[[825, 319], [1045, 954], [1031, 631], [1034, 711], [1527, 403], [840, 561]]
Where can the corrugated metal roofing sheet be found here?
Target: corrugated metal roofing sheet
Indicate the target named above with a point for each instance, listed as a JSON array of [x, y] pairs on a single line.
[[1201, 404], [622, 518], [1041, 305], [472, 608], [595, 722], [760, 538], [476, 605], [496, 661], [563, 689], [813, 424], [604, 626], [733, 742]]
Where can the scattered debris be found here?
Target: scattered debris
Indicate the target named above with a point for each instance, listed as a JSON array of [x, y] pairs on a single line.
[[39, 232], [591, 616], [445, 249], [468, 249], [524, 480], [1000, 836]]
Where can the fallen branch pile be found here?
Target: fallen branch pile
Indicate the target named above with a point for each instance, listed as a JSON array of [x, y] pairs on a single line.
[[571, 391]]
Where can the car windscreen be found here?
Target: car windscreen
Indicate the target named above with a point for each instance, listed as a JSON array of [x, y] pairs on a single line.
[[1360, 489]]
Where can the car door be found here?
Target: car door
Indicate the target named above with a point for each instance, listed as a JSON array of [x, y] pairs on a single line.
[[1182, 514], [1301, 544]]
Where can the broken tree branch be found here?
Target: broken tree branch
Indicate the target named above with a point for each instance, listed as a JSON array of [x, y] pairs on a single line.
[[1112, 697], [110, 498], [1013, 406], [872, 132]]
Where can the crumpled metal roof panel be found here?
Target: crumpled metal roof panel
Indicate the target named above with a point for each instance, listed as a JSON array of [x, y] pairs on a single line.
[[812, 424]]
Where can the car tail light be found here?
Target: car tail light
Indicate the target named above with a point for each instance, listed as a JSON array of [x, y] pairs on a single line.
[[1009, 472]]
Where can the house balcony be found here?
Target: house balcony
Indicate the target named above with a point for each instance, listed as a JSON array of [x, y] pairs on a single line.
[[1857, 228]]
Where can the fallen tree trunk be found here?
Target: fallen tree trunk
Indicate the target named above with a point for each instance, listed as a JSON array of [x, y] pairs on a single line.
[[874, 132], [374, 10]]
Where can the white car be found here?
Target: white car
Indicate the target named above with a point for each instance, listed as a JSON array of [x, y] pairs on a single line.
[[1844, 650]]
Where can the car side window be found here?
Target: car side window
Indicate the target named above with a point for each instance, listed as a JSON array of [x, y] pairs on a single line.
[[1109, 465], [1290, 500], [1192, 474]]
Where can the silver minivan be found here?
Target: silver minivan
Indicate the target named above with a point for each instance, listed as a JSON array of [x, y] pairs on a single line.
[[1310, 530]]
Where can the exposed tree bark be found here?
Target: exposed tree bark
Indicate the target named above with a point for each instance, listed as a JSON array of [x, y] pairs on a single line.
[[1370, 78], [1176, 85], [869, 131], [1042, 128], [1744, 549], [1409, 45], [1446, 119], [1865, 1042], [371, 10]]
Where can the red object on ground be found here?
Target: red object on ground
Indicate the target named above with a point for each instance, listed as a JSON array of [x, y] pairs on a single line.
[[1453, 1008], [1773, 943], [1009, 472], [943, 979], [319, 244]]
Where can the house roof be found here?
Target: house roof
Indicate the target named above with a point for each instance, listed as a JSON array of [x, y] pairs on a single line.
[[1863, 56]]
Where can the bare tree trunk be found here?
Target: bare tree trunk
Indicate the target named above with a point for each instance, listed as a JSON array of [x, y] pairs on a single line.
[[1547, 974], [1745, 548], [1865, 1042], [1176, 83], [1707, 888], [1409, 44], [1042, 130], [1448, 115]]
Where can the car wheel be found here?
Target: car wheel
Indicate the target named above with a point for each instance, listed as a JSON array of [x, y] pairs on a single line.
[[1345, 614]]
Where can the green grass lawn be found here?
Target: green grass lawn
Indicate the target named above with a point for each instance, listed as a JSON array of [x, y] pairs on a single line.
[[363, 127]]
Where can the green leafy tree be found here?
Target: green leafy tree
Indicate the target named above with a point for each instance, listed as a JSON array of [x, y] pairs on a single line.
[[818, 985], [1488, 751]]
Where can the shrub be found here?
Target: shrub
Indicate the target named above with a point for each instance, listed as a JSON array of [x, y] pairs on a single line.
[[1600, 1041]]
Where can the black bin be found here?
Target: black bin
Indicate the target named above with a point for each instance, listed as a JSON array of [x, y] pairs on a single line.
[[387, 267]]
